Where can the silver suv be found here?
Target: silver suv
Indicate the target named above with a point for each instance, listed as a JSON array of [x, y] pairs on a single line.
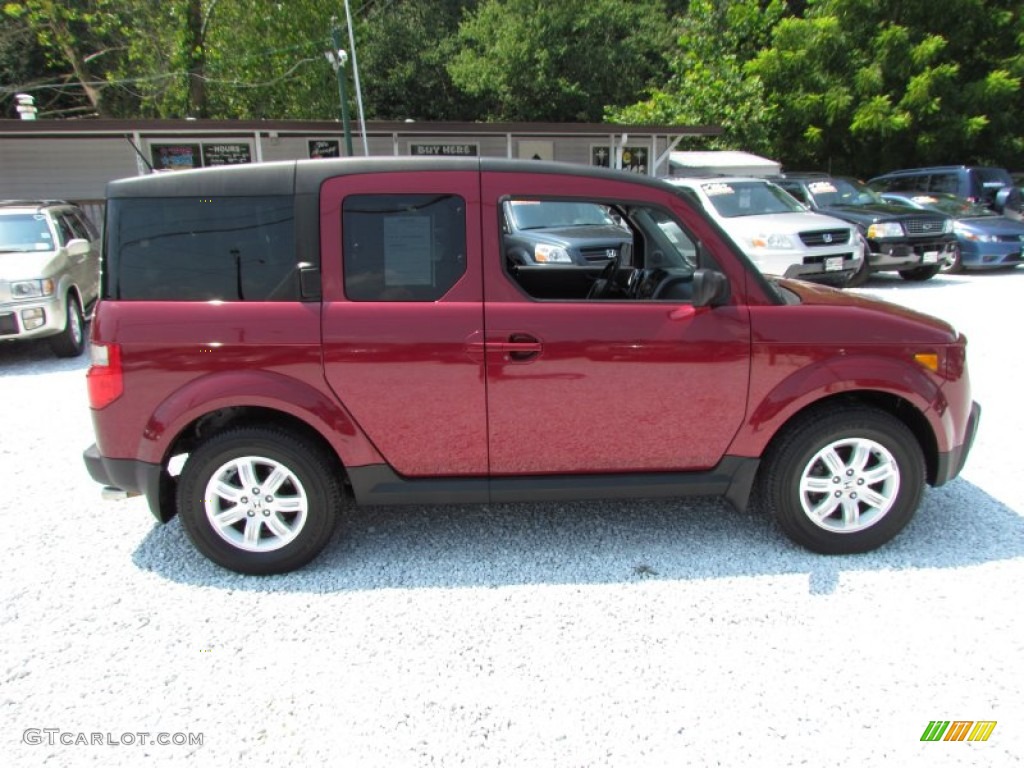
[[777, 233], [49, 272]]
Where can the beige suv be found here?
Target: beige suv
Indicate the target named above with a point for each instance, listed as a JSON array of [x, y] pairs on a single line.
[[49, 272]]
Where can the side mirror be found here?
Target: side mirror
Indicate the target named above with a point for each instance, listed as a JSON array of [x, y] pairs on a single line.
[[77, 247], [710, 287]]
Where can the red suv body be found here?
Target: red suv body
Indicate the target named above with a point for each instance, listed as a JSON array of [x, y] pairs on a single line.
[[276, 341]]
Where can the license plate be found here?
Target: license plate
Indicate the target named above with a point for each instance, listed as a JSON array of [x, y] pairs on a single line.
[[833, 264], [930, 257]]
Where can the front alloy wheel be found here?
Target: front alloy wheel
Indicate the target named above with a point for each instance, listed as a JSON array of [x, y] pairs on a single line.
[[849, 485], [844, 480]]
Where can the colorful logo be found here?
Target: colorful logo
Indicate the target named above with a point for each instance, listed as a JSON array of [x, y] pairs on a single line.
[[959, 730]]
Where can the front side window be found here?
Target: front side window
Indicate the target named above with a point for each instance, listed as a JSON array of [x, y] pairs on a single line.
[[203, 249], [403, 247], [630, 253]]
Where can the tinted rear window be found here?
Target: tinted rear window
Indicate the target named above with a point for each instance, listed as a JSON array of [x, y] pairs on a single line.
[[201, 249]]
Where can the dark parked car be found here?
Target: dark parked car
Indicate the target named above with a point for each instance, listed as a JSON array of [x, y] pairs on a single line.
[[914, 244], [276, 341], [561, 232], [985, 239], [992, 187]]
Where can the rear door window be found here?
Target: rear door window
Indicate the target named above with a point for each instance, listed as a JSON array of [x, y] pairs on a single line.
[[403, 247]]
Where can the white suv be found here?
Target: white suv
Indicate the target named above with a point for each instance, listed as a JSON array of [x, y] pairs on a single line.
[[49, 272], [780, 235]]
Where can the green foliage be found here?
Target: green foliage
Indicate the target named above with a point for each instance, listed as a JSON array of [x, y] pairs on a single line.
[[862, 86], [559, 62], [857, 86], [708, 84]]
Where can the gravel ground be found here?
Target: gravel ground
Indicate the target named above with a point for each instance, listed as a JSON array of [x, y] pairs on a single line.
[[619, 634]]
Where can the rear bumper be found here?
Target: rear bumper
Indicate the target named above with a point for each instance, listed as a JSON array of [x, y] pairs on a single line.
[[135, 478], [952, 462]]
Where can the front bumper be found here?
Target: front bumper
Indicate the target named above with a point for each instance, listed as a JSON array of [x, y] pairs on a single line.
[[14, 318], [952, 462], [890, 256]]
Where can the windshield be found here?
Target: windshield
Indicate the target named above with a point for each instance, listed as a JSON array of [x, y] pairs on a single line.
[[534, 214], [25, 232], [828, 193], [749, 198]]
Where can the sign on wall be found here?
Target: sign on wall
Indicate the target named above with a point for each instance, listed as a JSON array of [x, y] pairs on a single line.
[[226, 154], [536, 150], [324, 148], [444, 150], [183, 156], [176, 157], [635, 159]]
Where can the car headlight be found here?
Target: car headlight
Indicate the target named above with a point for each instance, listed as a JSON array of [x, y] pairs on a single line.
[[775, 240], [974, 237], [885, 229], [947, 227], [31, 289], [551, 254]]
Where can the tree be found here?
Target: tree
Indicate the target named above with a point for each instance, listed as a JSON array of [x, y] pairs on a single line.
[[79, 38], [709, 83], [863, 86], [404, 48], [560, 62]]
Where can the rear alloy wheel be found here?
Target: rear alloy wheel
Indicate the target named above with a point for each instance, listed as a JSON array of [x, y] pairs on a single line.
[[920, 274], [953, 263], [71, 341], [845, 481], [259, 500]]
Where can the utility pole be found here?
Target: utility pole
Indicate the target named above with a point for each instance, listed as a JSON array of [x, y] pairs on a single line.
[[338, 57]]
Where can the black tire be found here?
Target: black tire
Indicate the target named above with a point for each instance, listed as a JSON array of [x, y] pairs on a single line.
[[71, 341], [920, 274], [287, 525], [953, 263], [881, 484]]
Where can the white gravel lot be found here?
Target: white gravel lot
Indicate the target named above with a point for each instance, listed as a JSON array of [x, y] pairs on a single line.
[[517, 635]]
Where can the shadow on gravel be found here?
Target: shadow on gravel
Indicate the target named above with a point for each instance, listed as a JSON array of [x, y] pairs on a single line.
[[586, 543], [31, 358]]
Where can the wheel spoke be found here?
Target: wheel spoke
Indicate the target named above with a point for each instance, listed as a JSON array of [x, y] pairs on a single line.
[[247, 473], [277, 477], [824, 508], [278, 526], [252, 532], [817, 485], [874, 499], [228, 517], [880, 474], [227, 492], [851, 513], [833, 461], [861, 456], [288, 504]]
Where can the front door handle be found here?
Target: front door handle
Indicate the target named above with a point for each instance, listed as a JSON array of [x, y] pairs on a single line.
[[517, 348]]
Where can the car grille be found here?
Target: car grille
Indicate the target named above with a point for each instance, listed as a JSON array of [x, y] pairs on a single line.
[[8, 324], [923, 226], [825, 237], [600, 254]]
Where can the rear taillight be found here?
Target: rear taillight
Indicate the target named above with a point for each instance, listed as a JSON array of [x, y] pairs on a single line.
[[105, 379]]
